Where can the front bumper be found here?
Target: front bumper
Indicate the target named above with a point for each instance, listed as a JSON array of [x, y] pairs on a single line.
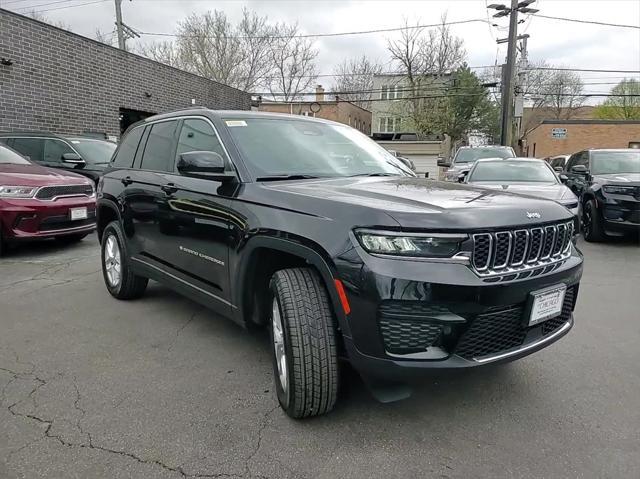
[[408, 317], [25, 219]]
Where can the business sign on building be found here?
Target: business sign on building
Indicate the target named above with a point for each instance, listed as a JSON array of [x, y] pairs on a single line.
[[558, 132]]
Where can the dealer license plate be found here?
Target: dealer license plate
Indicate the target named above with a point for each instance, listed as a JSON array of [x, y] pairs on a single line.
[[78, 214], [547, 304]]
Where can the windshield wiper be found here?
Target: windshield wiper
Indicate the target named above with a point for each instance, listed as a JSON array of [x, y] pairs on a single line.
[[285, 177]]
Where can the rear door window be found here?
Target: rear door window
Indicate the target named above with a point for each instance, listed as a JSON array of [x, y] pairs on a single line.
[[30, 147], [127, 149], [54, 149], [158, 152]]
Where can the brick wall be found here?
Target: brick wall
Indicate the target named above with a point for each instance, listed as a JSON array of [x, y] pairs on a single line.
[[581, 136], [66, 83]]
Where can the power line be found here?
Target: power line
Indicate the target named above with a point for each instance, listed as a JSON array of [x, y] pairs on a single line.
[[68, 6], [560, 69], [319, 35], [592, 22], [33, 7]]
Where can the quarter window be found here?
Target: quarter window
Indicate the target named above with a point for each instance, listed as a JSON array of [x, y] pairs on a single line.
[[127, 150], [197, 135], [54, 149], [158, 151]]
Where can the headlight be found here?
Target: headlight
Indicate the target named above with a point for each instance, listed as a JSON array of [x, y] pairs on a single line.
[[619, 190], [17, 191], [422, 245]]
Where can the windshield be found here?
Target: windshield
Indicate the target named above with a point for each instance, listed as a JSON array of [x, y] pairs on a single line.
[[611, 162], [10, 157], [512, 172], [284, 147], [94, 151], [469, 155]]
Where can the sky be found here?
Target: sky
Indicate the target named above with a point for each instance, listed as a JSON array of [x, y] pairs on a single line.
[[558, 42]]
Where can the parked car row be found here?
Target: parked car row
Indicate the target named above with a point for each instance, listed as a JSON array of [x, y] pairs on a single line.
[[37, 202]]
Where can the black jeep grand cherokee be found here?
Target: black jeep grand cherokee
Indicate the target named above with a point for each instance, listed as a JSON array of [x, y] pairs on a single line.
[[312, 228]]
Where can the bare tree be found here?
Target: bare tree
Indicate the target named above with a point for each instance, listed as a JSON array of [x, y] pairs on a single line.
[[425, 58], [164, 52], [106, 38], [356, 75], [565, 94], [293, 61], [43, 18], [256, 41]]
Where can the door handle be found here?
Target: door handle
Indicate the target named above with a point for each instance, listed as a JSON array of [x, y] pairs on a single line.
[[169, 188], [126, 181]]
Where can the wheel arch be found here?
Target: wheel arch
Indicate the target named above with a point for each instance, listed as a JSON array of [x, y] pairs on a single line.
[[106, 212], [262, 256]]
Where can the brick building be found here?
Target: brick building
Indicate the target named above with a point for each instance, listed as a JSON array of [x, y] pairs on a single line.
[[55, 80], [336, 110], [563, 137]]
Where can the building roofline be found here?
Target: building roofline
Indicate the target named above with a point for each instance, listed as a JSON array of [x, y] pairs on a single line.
[[68, 32], [590, 121]]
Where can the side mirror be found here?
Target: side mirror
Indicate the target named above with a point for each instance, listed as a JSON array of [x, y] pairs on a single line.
[[462, 176], [580, 169], [443, 162], [72, 158], [564, 178], [558, 168], [203, 164]]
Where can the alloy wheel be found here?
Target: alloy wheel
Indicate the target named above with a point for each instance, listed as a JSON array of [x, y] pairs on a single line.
[[279, 346], [112, 264]]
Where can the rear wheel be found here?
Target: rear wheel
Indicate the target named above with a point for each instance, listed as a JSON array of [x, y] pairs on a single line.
[[304, 353], [592, 229], [116, 268]]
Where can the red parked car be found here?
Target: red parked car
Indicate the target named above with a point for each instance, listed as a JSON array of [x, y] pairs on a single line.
[[38, 202]]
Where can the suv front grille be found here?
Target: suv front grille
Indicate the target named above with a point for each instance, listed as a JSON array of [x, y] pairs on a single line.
[[521, 249], [52, 192], [501, 329]]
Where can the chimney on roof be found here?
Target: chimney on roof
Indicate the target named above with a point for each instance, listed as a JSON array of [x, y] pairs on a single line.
[[319, 93]]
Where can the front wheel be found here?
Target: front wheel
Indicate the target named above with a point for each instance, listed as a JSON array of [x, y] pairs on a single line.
[[304, 354], [592, 229], [116, 268]]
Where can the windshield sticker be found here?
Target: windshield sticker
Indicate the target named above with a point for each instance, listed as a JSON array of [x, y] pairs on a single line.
[[236, 123], [75, 142]]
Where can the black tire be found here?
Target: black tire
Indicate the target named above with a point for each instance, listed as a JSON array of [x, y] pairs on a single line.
[[129, 286], [592, 229], [69, 239], [309, 343]]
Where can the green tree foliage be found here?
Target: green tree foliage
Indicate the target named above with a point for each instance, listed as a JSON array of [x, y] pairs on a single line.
[[625, 106], [464, 108]]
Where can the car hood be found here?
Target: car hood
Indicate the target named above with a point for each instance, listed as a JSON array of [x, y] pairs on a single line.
[[36, 175], [548, 191], [618, 178], [421, 203]]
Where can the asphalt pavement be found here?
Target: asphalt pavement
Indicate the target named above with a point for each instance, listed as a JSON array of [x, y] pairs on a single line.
[[91, 387]]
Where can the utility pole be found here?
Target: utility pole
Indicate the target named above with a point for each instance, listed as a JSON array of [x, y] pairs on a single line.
[[508, 69], [121, 40], [124, 31]]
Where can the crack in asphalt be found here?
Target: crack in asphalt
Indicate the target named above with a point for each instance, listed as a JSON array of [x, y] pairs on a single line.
[[90, 443], [181, 328]]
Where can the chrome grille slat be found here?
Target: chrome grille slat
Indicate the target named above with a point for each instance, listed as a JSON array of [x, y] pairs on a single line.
[[536, 250]]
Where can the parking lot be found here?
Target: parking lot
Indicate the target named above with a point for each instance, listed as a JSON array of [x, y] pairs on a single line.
[[160, 387]]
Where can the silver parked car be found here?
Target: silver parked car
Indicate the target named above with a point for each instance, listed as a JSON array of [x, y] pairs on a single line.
[[466, 156], [527, 176]]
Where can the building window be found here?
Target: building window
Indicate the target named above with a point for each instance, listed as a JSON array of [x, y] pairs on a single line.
[[390, 92], [389, 124], [308, 113]]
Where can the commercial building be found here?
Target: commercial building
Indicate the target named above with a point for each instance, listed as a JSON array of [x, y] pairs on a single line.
[[57, 81], [560, 137], [338, 110]]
